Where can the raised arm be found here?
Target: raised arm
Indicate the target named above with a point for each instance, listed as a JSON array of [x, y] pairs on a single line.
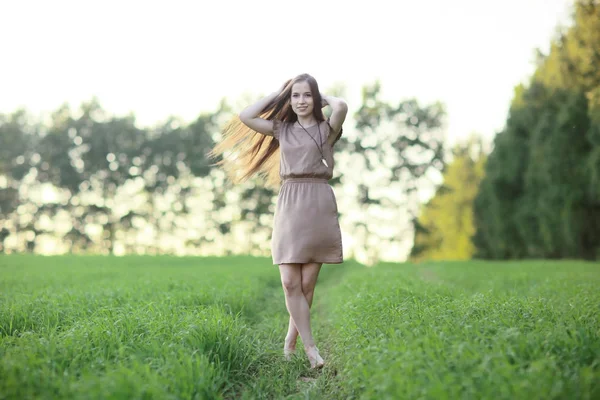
[[249, 115], [338, 115]]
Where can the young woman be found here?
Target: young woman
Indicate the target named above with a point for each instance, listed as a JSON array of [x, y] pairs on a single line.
[[285, 136]]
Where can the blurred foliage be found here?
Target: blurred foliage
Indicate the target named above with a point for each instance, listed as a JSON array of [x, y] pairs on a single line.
[[541, 193], [94, 163], [397, 152], [445, 226], [102, 184]]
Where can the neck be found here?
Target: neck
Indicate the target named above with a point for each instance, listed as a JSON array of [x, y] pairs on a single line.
[[307, 121]]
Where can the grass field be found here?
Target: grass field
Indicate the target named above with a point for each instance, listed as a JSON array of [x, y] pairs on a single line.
[[210, 328]]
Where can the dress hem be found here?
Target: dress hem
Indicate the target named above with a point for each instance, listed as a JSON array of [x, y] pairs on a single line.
[[336, 261]]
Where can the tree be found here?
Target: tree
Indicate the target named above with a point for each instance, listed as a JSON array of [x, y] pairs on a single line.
[[540, 196], [18, 137], [398, 154], [445, 226], [94, 163]]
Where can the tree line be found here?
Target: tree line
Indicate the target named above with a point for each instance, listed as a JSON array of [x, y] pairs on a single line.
[[101, 184], [538, 191]]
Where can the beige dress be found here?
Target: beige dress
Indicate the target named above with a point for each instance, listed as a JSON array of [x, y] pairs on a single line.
[[306, 227]]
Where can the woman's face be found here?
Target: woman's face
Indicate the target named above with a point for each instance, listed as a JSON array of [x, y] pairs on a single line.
[[302, 99]]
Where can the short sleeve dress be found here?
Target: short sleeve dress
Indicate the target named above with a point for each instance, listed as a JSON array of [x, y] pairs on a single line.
[[306, 226]]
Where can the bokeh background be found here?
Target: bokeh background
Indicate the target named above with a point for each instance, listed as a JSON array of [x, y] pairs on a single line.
[[473, 130]]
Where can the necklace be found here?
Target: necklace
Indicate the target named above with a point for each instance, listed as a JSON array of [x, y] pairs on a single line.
[[320, 140]]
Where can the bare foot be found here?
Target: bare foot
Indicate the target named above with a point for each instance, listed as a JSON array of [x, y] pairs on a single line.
[[314, 357]]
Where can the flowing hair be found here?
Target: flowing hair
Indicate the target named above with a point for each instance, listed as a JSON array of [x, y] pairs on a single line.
[[245, 152]]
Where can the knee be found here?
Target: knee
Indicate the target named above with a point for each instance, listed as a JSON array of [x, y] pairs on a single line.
[[291, 286], [308, 288]]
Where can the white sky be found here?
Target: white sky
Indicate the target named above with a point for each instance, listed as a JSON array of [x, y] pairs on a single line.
[[181, 57]]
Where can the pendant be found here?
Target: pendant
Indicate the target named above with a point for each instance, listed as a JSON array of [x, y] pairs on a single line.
[[324, 162]]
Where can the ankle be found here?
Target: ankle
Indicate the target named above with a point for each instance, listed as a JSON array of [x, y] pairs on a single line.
[[290, 341], [310, 347]]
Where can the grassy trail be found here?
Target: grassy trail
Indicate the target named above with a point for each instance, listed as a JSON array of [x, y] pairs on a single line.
[[213, 328]]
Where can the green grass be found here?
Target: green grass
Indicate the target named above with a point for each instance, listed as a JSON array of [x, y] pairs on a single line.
[[210, 328]]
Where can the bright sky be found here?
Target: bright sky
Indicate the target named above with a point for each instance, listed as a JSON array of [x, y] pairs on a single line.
[[181, 57]]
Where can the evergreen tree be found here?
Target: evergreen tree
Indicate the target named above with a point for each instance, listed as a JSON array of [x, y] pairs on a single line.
[[541, 193]]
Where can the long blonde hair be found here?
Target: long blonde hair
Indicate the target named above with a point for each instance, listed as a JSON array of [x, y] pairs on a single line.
[[245, 152]]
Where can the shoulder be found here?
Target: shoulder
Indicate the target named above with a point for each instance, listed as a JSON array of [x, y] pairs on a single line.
[[279, 127]]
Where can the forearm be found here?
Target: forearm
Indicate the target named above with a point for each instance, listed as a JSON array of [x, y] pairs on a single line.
[[335, 102], [253, 110]]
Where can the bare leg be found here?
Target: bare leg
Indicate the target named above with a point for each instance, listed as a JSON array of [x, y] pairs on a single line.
[[291, 279], [310, 273]]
